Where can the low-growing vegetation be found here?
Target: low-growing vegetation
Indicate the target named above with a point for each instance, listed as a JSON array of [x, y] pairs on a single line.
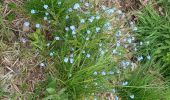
[[84, 50]]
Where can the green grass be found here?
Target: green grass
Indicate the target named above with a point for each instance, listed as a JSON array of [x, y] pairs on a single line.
[[77, 80]]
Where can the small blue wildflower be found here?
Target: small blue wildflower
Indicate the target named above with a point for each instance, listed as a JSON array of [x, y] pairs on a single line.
[[97, 17], [76, 6], [110, 11], [118, 43], [148, 57], [87, 38], [51, 53], [87, 4], [95, 73], [59, 3], [119, 12], [26, 23], [82, 21], [88, 31], [70, 10], [97, 29], [100, 44], [103, 73], [107, 26], [114, 51], [132, 96], [72, 27], [125, 83], [111, 72], [66, 59], [140, 58], [45, 6], [119, 33], [67, 17], [116, 98], [133, 38], [33, 11], [141, 43], [83, 51], [113, 90], [42, 65], [57, 38], [91, 19], [46, 13], [104, 7], [73, 32], [37, 25], [66, 28], [48, 44], [45, 18], [88, 55], [135, 28], [71, 60], [129, 40]]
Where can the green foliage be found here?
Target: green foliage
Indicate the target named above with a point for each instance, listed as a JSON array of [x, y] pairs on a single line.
[[146, 83], [154, 28]]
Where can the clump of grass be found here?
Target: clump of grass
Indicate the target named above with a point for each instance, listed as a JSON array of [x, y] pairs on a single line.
[[153, 33], [82, 59], [77, 44]]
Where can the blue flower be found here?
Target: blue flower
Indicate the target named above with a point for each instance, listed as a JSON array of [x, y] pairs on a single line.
[[46, 13], [66, 59], [87, 4], [119, 12], [51, 53], [88, 31], [42, 65], [66, 28], [91, 19], [98, 17], [70, 10], [72, 27], [95, 73], [135, 28], [71, 60], [132, 96], [33, 11], [87, 38], [76, 6], [103, 73], [140, 58], [114, 51], [82, 21], [37, 25], [88, 55], [148, 57], [26, 23], [45, 6], [73, 32], [59, 3], [97, 29], [67, 17], [57, 38], [125, 83], [45, 18], [110, 11]]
